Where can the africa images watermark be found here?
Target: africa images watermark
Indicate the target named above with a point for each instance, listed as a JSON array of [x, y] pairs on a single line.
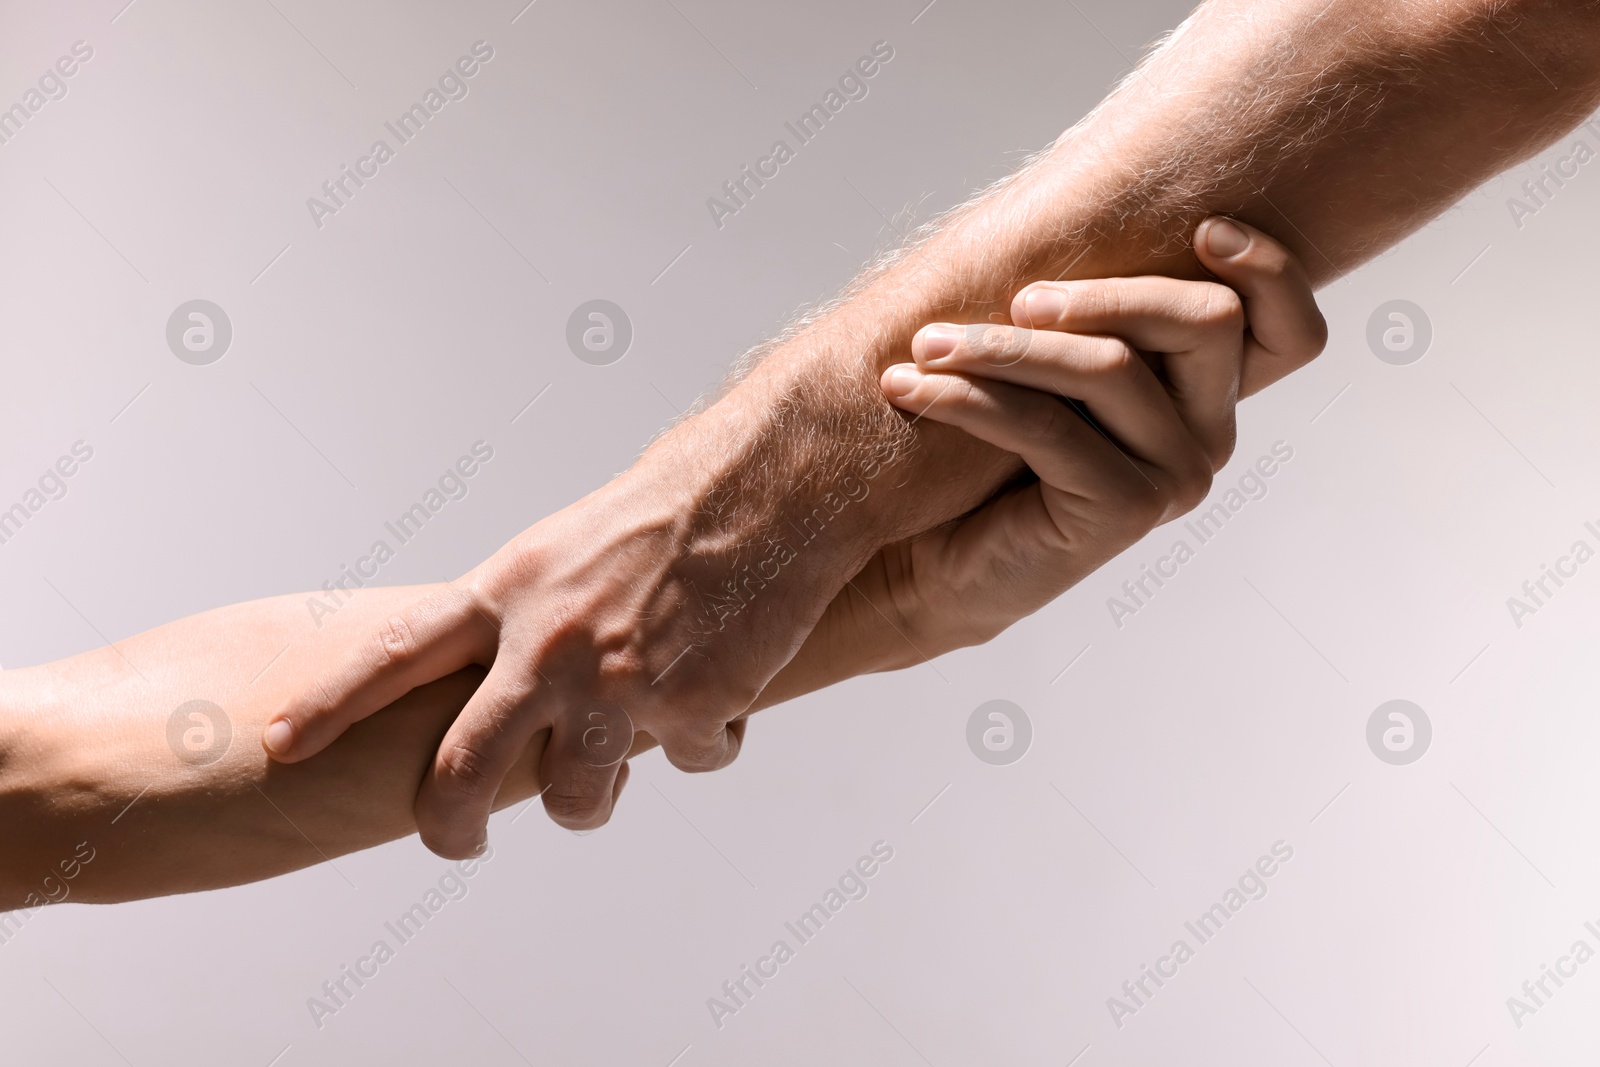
[[999, 732], [337, 992], [1536, 992], [452, 486], [51, 486], [737, 593], [1204, 526], [737, 992], [52, 85], [852, 85], [53, 889], [1252, 885], [1541, 189], [1538, 591], [342, 188]]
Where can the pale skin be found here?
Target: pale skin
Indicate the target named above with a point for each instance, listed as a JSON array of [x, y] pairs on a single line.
[[89, 767], [1339, 126]]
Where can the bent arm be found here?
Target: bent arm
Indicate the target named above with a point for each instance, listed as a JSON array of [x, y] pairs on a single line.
[[91, 764]]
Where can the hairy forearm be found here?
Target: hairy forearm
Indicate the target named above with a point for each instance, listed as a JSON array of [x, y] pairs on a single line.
[[89, 766], [1337, 127], [1342, 126]]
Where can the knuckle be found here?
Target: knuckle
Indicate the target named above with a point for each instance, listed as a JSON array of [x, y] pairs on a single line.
[[696, 762], [1221, 450], [1104, 299], [982, 632], [1132, 509], [959, 392], [1272, 261], [1315, 341], [1117, 360], [1089, 301], [1043, 418], [465, 771], [1221, 309], [320, 700], [1192, 485], [735, 695], [446, 844], [981, 338], [514, 696], [566, 806], [972, 629], [995, 343], [1142, 509], [622, 662], [934, 637], [701, 758], [397, 641]]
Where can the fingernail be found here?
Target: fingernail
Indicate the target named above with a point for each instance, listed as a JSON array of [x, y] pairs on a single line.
[[1044, 306], [939, 341], [278, 736], [481, 848], [1225, 240], [902, 379]]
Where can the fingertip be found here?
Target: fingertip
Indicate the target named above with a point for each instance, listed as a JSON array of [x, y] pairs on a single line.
[[935, 341], [452, 835], [901, 380], [278, 739], [1221, 238], [694, 752], [449, 847], [1042, 306], [452, 822], [591, 814], [1019, 310]]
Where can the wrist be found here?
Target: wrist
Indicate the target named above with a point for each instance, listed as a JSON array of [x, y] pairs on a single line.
[[780, 470]]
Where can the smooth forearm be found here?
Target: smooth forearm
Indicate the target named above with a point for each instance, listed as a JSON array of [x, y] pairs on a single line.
[[88, 758]]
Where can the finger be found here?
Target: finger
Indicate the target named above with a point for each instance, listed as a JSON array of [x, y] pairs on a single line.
[[588, 747], [1153, 313], [1199, 326], [431, 639], [1063, 449], [697, 748], [1114, 384], [1287, 330], [480, 748], [523, 780]]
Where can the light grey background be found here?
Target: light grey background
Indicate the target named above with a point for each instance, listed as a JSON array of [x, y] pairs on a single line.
[[1228, 715]]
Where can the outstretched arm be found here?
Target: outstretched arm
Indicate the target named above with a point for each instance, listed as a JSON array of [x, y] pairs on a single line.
[[678, 591], [136, 770], [145, 759]]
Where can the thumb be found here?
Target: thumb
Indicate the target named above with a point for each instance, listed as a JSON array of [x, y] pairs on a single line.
[[1286, 329], [437, 636]]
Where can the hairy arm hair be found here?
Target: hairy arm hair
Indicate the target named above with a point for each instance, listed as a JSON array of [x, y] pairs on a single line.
[[1337, 126]]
